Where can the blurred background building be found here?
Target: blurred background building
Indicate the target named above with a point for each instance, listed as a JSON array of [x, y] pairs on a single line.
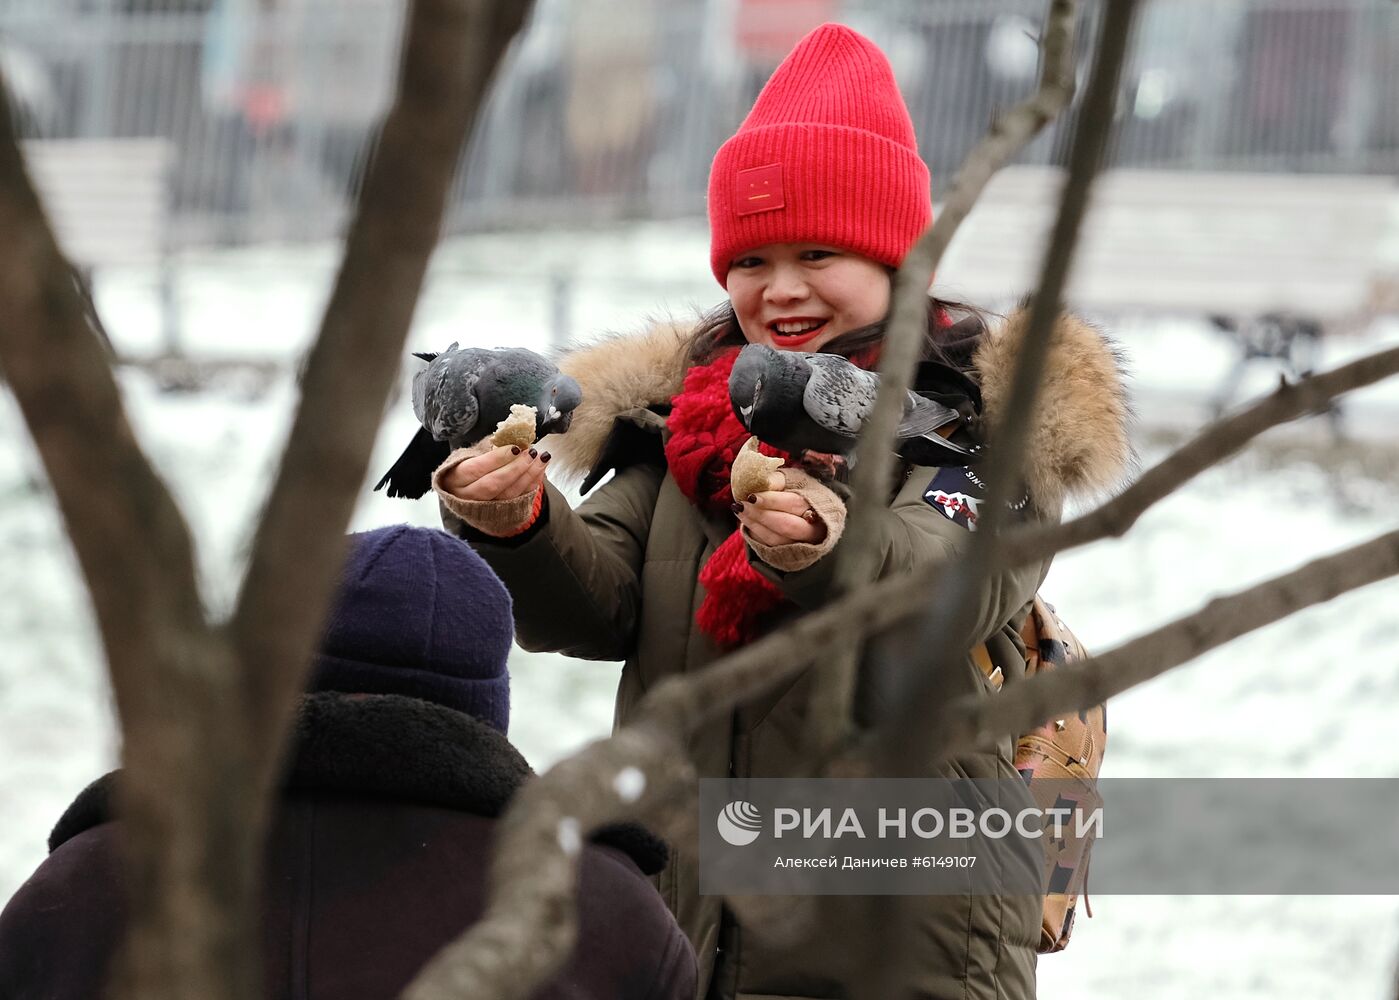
[[612, 109]]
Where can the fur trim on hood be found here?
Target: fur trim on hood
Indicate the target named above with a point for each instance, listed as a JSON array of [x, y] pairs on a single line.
[[618, 373], [1079, 445]]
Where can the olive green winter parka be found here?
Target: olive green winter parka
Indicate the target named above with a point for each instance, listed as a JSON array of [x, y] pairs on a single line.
[[617, 579]]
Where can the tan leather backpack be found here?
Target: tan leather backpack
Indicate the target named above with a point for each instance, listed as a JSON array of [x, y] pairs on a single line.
[[1061, 760]]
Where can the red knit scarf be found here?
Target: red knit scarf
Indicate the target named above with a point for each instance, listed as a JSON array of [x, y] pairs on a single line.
[[705, 435]]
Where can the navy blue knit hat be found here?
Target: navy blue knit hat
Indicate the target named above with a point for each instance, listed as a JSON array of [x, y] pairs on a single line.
[[419, 614]]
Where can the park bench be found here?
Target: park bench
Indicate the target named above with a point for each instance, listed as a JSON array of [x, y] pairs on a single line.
[[108, 199], [109, 203], [1274, 260]]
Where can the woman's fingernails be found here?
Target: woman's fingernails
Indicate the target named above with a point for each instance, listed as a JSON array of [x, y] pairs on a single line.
[[514, 449], [533, 453], [752, 498], [545, 457], [737, 508]]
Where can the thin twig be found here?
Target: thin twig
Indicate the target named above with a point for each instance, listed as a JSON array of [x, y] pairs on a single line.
[[948, 625], [1211, 446], [1021, 707], [833, 680]]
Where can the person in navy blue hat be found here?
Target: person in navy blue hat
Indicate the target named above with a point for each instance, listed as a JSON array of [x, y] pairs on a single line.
[[379, 847], [400, 625]]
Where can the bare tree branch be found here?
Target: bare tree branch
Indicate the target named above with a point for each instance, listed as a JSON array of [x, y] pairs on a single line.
[[1021, 707], [106, 488], [949, 622], [1010, 436], [449, 56], [1210, 447], [833, 679], [201, 720], [137, 559]]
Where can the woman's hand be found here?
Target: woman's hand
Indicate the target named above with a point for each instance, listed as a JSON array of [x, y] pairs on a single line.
[[779, 517], [504, 473]]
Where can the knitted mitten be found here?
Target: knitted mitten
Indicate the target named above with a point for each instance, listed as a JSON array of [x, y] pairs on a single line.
[[829, 508], [500, 518]]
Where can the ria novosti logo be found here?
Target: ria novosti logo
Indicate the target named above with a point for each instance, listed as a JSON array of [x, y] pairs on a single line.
[[740, 823]]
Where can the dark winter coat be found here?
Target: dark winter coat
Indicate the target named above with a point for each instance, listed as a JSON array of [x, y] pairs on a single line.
[[617, 579], [377, 857]]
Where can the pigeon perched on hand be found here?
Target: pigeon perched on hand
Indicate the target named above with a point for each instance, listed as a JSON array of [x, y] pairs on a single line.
[[819, 402], [462, 395]]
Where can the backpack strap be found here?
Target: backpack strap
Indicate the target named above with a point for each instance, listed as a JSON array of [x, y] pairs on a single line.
[[981, 654]]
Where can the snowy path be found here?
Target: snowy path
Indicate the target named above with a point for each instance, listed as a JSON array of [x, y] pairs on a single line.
[[1315, 696]]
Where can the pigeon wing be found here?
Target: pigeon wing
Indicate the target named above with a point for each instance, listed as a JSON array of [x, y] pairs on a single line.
[[444, 398], [839, 395], [924, 416], [918, 439]]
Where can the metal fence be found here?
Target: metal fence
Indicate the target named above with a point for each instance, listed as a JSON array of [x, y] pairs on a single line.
[[613, 108]]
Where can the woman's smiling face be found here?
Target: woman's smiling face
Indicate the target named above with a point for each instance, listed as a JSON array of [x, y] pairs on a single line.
[[801, 296]]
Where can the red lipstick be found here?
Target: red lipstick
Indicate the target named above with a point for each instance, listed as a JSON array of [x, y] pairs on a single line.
[[794, 340]]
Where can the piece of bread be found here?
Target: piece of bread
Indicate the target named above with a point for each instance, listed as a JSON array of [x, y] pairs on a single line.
[[516, 429], [751, 470]]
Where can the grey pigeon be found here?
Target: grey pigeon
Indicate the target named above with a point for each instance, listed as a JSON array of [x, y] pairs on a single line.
[[462, 395], [819, 402]]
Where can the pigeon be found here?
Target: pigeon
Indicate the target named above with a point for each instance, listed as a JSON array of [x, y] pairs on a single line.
[[462, 395], [819, 402]]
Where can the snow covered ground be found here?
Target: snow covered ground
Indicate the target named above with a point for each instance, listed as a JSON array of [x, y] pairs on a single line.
[[1315, 696]]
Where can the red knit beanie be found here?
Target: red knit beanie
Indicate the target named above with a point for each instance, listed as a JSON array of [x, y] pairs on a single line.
[[827, 155]]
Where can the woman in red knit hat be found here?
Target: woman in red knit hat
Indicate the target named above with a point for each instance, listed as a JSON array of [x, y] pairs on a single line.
[[812, 205]]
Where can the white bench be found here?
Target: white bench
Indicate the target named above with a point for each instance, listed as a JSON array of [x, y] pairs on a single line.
[[108, 199], [1226, 244], [109, 203]]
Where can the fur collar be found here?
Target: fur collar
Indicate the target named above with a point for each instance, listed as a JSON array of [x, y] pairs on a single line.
[[391, 747], [620, 374], [1079, 445]]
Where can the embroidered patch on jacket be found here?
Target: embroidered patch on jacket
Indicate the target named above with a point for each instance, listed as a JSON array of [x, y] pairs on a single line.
[[759, 189], [956, 493]]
